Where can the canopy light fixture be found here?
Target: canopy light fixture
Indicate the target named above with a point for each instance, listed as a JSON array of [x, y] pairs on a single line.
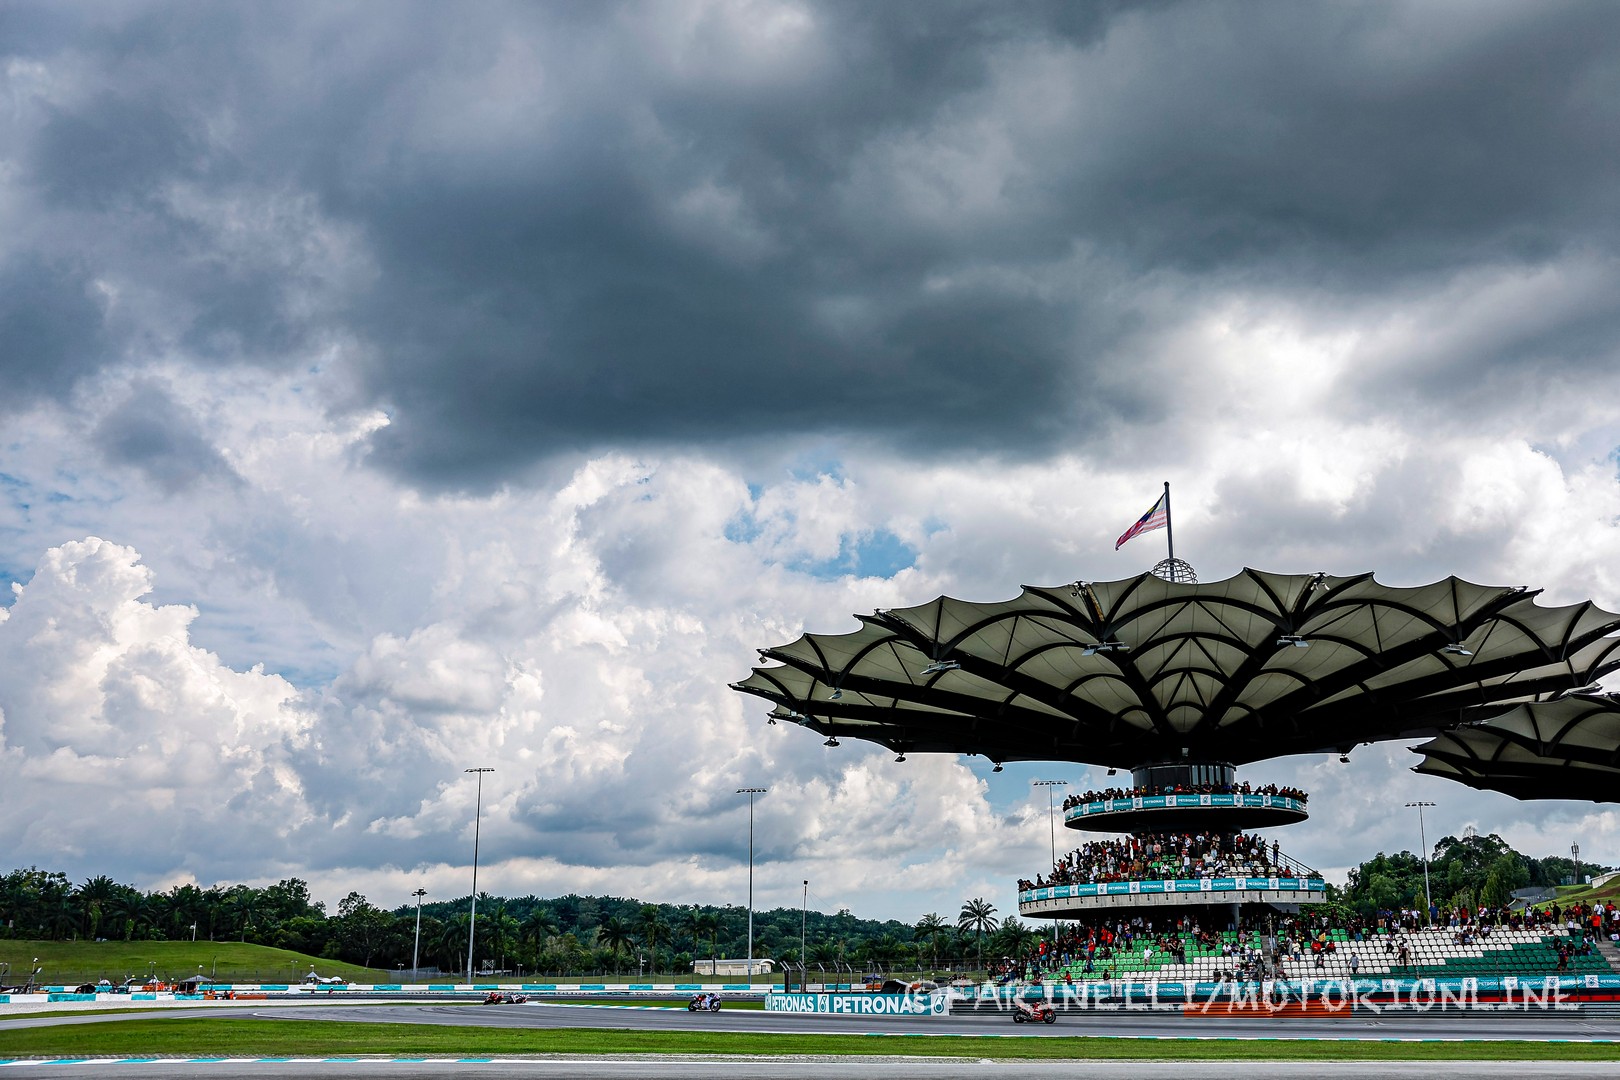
[[1593, 689], [836, 694], [941, 665], [830, 741], [1293, 639], [900, 757], [1103, 646], [1455, 649]]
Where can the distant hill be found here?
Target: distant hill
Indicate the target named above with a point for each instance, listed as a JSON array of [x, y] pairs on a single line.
[[74, 962], [561, 934]]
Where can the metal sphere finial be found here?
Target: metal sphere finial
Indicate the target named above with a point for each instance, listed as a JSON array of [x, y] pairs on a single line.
[[1175, 570]]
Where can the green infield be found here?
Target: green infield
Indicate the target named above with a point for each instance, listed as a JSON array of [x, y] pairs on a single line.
[[73, 962], [663, 1003], [277, 1038]]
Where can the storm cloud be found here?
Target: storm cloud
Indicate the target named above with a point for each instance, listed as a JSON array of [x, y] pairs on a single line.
[[568, 227], [397, 387]]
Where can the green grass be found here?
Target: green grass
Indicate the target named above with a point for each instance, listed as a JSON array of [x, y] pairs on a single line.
[[1588, 894], [263, 1038], [72, 962], [666, 1002]]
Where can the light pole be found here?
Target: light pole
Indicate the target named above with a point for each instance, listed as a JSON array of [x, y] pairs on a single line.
[[1575, 857], [751, 792], [1428, 900], [1051, 827], [472, 921], [1051, 815], [804, 913], [416, 949]]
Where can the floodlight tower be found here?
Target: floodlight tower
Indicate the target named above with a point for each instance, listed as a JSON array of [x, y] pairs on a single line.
[[751, 792], [1428, 901]]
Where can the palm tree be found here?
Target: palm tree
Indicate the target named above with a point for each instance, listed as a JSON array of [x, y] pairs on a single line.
[[691, 920], [881, 951], [651, 921], [61, 916], [704, 923], [213, 905], [92, 898], [451, 941], [497, 923], [539, 924], [614, 935], [978, 918], [244, 903], [1014, 937], [120, 910], [930, 928], [184, 905]]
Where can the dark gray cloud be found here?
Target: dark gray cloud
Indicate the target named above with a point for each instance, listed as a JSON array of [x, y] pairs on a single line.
[[50, 327], [150, 432], [600, 224], [112, 151]]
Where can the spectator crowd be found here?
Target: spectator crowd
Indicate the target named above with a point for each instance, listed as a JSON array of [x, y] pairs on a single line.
[[1288, 945], [1184, 789], [1163, 856]]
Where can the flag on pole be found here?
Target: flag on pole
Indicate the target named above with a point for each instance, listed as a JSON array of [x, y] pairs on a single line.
[[1156, 518]]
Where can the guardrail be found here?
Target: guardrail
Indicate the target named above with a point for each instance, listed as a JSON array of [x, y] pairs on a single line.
[[1182, 802], [1551, 992], [216, 990], [1173, 885]]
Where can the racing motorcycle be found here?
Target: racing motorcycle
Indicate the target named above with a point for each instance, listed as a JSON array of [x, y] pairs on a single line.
[[1033, 1012], [704, 1003]]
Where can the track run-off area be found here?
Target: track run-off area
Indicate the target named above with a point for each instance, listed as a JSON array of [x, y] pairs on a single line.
[[1391, 1025], [978, 1043]]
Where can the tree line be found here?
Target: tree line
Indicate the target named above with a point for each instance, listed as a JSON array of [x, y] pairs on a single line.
[[1467, 872], [564, 934]]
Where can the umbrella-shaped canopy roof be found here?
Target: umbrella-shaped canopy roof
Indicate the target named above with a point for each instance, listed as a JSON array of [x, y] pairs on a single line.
[[1563, 749], [1123, 673]]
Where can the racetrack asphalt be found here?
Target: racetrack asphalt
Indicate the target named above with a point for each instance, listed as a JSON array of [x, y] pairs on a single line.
[[1531, 1025], [966, 1065]]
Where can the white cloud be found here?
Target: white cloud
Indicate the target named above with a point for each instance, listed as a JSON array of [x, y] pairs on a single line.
[[118, 730], [286, 671]]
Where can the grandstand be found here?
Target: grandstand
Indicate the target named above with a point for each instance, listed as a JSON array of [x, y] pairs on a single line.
[[1180, 683], [1432, 953]]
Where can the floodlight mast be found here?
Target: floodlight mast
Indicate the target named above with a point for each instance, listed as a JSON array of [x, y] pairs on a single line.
[[416, 949], [1051, 820], [751, 792], [1423, 837], [472, 920]]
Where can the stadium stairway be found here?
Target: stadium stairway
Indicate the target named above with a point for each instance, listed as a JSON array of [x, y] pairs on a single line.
[[1610, 954]]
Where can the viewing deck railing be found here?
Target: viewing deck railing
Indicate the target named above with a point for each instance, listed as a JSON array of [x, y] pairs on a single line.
[[1212, 888], [1182, 802]]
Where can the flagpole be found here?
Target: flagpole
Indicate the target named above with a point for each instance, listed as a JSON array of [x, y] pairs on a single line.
[[1169, 533]]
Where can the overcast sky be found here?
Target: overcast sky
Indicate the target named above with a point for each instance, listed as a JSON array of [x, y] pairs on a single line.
[[391, 389]]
